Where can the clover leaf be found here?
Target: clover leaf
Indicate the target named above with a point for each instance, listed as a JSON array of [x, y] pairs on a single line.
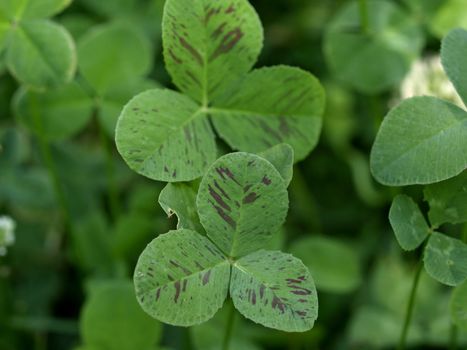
[[183, 277], [38, 52], [209, 49], [423, 139]]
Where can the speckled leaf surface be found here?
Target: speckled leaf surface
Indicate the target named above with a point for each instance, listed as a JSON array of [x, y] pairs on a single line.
[[421, 141], [378, 60], [164, 135], [41, 54], [407, 222], [448, 200], [270, 106], [282, 157], [445, 259], [181, 278], [180, 199], [453, 54], [207, 44], [276, 290], [63, 112], [242, 201], [459, 306]]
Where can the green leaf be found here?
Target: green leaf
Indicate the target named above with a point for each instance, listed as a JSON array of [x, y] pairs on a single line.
[[275, 290], [453, 53], [448, 200], [62, 112], [281, 156], [4, 31], [377, 60], [180, 199], [452, 14], [16, 10], [242, 201], [420, 142], [209, 44], [334, 265], [446, 259], [113, 54], [459, 306], [408, 223], [41, 54], [164, 135], [182, 278], [112, 319], [270, 106], [110, 105]]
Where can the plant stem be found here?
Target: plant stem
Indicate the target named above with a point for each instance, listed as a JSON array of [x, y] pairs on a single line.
[[453, 337], [410, 307], [229, 327], [364, 16], [48, 159], [110, 170]]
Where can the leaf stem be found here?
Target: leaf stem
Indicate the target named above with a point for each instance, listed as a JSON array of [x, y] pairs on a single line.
[[48, 159], [410, 307], [364, 16], [112, 189], [229, 327], [453, 337]]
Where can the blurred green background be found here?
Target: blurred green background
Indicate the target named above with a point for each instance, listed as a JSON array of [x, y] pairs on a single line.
[[82, 217]]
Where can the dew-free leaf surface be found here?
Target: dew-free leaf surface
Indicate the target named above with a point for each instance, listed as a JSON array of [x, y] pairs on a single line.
[[182, 278], [407, 222], [242, 202], [445, 259], [274, 289], [459, 306], [421, 141]]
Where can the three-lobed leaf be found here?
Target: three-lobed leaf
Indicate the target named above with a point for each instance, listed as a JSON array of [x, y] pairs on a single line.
[[445, 259], [408, 223], [276, 290], [209, 48], [242, 202]]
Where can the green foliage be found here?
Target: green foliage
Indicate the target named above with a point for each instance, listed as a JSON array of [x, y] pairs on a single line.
[[166, 136], [459, 306], [419, 140], [448, 201], [38, 52], [451, 14], [445, 259], [376, 58], [242, 201], [112, 319], [408, 222], [282, 157], [334, 265]]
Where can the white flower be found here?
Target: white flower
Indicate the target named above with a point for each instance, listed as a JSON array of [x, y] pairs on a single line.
[[7, 233], [427, 78]]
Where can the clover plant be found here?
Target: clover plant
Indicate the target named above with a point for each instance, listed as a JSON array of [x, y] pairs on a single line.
[[183, 277], [209, 50], [423, 140], [38, 52]]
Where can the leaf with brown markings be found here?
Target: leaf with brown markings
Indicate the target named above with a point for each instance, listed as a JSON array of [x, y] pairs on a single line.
[[276, 290], [181, 278], [242, 201]]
